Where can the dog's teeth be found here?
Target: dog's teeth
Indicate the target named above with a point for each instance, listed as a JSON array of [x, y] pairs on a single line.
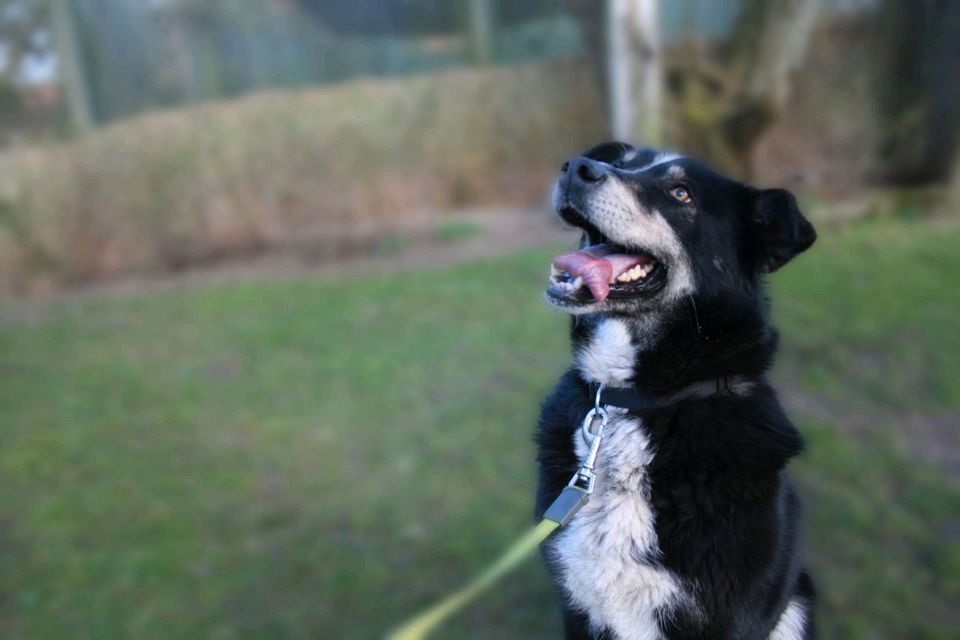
[[554, 271], [577, 283], [638, 272]]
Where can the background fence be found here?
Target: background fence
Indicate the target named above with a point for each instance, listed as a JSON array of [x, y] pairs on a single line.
[[126, 57]]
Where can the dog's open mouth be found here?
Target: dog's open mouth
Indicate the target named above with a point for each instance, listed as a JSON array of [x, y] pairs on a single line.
[[603, 271]]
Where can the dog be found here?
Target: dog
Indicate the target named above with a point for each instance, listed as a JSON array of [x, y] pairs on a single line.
[[692, 528]]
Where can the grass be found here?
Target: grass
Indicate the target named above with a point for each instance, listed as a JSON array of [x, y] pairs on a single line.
[[456, 229], [879, 309], [303, 458], [391, 244]]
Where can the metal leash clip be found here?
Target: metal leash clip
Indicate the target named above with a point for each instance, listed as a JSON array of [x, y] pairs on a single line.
[[592, 431], [578, 490]]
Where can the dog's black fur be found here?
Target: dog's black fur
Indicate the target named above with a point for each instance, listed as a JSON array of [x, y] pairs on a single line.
[[725, 515]]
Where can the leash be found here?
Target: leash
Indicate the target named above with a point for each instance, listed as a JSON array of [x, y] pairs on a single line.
[[561, 511], [420, 626]]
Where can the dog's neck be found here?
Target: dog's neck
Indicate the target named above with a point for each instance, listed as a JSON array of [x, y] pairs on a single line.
[[606, 348], [664, 353]]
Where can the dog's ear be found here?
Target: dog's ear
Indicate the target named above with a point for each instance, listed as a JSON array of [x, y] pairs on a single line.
[[781, 230]]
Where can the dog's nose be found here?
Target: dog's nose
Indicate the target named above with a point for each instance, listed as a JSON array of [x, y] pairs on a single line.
[[583, 169]]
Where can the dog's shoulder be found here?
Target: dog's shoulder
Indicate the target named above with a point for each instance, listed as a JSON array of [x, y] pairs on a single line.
[[748, 429], [726, 514]]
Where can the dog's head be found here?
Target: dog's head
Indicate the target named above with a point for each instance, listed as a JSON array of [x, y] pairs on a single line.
[[660, 227]]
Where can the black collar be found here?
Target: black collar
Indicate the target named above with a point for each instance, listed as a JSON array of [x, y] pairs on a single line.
[[635, 399]]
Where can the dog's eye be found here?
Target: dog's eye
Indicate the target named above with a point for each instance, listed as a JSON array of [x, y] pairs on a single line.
[[682, 194]]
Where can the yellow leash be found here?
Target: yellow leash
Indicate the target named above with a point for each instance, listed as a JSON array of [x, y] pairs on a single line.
[[571, 499], [420, 626]]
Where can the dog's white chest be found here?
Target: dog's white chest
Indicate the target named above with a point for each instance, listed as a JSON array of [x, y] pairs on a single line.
[[608, 551]]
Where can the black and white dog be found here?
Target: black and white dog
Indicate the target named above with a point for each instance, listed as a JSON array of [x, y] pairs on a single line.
[[691, 531]]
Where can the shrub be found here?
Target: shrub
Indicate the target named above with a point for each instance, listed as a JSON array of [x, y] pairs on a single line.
[[172, 189]]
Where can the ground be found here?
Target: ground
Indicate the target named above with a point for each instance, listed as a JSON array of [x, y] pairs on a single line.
[[321, 454]]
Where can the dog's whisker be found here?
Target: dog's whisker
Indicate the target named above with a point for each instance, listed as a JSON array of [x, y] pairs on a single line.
[[696, 317]]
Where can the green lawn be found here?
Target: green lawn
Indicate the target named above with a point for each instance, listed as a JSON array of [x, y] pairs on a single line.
[[303, 458]]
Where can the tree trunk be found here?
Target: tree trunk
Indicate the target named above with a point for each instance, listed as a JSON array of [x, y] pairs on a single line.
[[918, 91], [481, 20], [634, 76], [722, 109], [70, 60]]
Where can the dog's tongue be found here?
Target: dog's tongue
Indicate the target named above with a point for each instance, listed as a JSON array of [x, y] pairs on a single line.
[[598, 265]]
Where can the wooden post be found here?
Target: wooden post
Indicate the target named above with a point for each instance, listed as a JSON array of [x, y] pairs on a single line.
[[634, 71], [618, 71], [649, 84], [481, 20], [70, 62]]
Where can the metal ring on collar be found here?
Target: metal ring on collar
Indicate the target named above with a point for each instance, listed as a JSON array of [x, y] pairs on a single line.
[[594, 419]]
